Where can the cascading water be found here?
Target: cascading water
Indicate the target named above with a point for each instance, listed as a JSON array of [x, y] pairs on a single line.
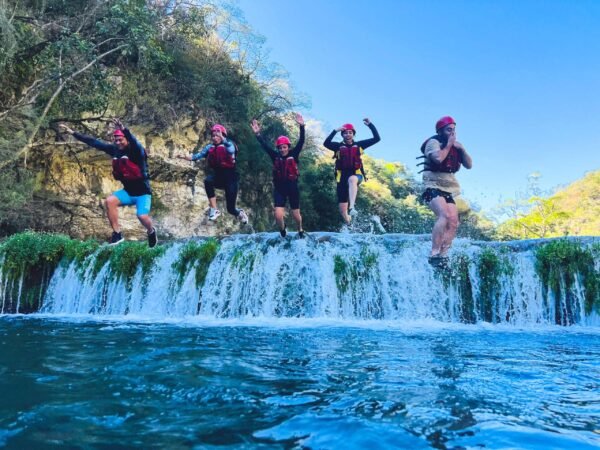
[[328, 275]]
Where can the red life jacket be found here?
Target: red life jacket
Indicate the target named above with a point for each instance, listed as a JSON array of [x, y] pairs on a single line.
[[451, 164], [348, 158], [219, 158], [126, 170], [285, 169]]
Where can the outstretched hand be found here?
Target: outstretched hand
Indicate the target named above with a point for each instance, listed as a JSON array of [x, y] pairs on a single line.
[[118, 124], [299, 119], [255, 126], [366, 121], [65, 129], [186, 157]]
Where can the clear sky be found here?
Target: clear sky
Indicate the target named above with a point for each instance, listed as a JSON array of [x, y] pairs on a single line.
[[521, 78]]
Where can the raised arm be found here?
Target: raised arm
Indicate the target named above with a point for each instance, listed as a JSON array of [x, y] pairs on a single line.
[[374, 140], [134, 143], [298, 148], [106, 147], [335, 146], [261, 140]]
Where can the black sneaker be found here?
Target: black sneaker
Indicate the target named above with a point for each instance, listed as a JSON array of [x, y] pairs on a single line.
[[283, 232], [301, 234], [116, 238], [440, 262], [152, 239]]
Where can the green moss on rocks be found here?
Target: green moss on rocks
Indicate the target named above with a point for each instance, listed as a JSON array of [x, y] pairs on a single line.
[[198, 255], [559, 264]]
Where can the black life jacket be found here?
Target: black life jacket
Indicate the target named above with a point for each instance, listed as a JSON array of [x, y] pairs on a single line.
[[124, 169], [285, 169], [451, 164], [219, 158], [348, 157]]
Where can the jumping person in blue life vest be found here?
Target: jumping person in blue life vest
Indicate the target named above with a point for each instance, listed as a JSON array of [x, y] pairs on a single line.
[[130, 167], [349, 171], [443, 155], [220, 154], [285, 175]]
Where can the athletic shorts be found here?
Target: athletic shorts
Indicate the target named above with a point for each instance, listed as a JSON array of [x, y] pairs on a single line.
[[343, 193], [431, 193], [282, 191], [141, 202]]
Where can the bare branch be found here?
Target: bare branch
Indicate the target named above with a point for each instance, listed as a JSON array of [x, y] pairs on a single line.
[[59, 89]]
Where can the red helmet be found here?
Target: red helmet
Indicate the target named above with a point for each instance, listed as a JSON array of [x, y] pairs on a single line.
[[218, 127], [348, 126], [118, 133], [281, 140], [444, 121]]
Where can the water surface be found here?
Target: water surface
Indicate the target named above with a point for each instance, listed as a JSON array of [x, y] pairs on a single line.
[[82, 383]]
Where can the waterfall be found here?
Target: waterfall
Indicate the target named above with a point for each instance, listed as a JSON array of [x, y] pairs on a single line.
[[327, 275]]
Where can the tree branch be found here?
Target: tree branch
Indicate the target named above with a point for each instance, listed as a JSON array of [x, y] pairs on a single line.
[[36, 128]]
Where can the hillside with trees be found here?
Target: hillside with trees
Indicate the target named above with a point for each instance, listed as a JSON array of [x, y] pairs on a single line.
[[168, 69], [572, 211]]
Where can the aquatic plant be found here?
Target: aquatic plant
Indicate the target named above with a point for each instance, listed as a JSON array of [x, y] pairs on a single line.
[[196, 254], [126, 258], [30, 258], [491, 266], [559, 264], [353, 268]]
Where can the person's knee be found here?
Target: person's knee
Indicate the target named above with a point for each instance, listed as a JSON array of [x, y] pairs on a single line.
[[112, 202], [451, 219], [143, 217]]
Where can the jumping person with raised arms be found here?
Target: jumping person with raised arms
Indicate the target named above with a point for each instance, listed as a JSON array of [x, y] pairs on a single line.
[[443, 155], [221, 157], [349, 170], [130, 167], [285, 174]]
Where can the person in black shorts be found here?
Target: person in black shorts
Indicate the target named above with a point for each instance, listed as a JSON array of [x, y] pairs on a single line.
[[442, 157], [221, 156], [285, 174], [349, 170]]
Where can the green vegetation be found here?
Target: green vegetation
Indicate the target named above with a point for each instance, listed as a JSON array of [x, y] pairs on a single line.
[[157, 66], [491, 266], [198, 255], [572, 211], [32, 258], [126, 258], [559, 264], [353, 268], [28, 251]]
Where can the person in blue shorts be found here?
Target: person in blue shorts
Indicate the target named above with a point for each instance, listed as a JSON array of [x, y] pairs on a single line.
[[130, 167]]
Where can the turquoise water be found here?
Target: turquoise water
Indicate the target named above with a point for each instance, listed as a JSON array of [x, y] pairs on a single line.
[[113, 383]]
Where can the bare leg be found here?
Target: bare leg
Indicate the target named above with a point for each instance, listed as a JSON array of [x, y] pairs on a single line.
[[439, 207], [147, 222], [212, 202], [112, 211], [352, 189], [298, 218], [344, 212], [451, 228], [279, 214]]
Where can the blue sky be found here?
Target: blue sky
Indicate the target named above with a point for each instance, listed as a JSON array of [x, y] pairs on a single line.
[[521, 78]]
